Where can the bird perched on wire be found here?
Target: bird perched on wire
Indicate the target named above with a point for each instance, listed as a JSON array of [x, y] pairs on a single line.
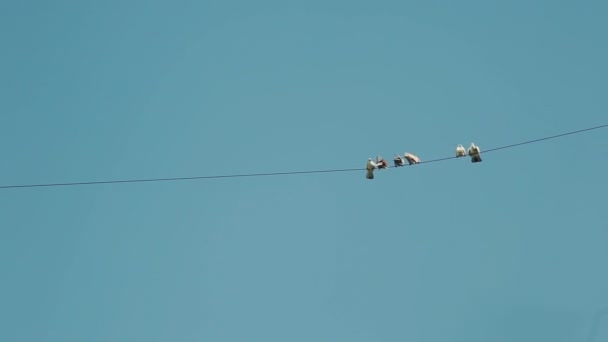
[[460, 151], [474, 153], [398, 161], [381, 163], [370, 166], [411, 159]]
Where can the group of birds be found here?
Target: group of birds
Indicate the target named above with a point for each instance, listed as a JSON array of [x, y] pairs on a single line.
[[474, 152]]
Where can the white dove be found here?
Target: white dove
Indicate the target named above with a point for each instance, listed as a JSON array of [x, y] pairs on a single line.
[[475, 153], [460, 152], [370, 168], [411, 159]]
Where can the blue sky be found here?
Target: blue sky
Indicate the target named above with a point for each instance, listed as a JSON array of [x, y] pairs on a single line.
[[511, 249]]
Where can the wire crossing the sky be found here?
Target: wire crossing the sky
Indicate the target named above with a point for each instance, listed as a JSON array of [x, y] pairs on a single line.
[[284, 173]]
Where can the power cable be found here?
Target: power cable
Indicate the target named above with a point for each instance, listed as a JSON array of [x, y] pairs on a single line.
[[284, 173]]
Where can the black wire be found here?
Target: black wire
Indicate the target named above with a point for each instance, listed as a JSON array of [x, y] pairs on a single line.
[[546, 138], [281, 173], [177, 178]]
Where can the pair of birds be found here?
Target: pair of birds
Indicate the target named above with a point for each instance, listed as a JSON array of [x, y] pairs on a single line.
[[474, 152]]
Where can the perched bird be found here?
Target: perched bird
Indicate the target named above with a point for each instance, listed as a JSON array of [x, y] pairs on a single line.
[[398, 161], [460, 151], [381, 163], [370, 168], [474, 153], [411, 159]]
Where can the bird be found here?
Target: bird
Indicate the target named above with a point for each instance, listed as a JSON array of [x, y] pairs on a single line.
[[370, 168], [474, 153], [398, 161], [381, 163], [411, 159], [460, 151]]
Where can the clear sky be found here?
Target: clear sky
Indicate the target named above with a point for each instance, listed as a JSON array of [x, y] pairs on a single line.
[[511, 249]]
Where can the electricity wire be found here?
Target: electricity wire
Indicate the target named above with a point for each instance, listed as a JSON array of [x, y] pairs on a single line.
[[268, 174]]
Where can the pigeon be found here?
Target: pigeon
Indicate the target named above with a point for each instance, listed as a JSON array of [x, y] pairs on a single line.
[[370, 168], [475, 153], [398, 161], [381, 163], [460, 151], [411, 159]]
